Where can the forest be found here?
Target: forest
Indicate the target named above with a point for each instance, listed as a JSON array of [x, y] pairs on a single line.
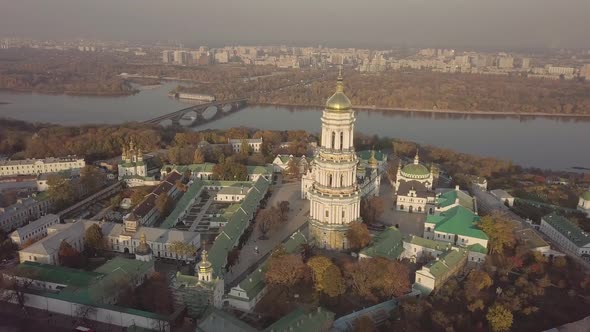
[[61, 73], [98, 74]]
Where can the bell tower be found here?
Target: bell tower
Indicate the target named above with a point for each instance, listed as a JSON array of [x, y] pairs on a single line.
[[334, 195]]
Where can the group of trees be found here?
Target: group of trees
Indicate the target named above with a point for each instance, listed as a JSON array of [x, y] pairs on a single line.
[[154, 295], [515, 289], [370, 279], [64, 191], [429, 90], [372, 208], [270, 217], [67, 72], [93, 142]]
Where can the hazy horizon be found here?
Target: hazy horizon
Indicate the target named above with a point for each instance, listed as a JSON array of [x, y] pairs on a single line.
[[500, 23]]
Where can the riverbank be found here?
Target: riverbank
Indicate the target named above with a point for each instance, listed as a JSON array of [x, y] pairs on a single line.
[[72, 93], [439, 111]]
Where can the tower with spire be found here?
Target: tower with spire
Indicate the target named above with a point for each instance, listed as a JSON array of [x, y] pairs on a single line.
[[331, 186], [204, 268]]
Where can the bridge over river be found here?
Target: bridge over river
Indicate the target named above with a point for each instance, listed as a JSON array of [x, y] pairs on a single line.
[[196, 113]]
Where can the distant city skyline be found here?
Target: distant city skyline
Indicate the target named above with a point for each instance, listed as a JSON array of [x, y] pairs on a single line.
[[378, 23]]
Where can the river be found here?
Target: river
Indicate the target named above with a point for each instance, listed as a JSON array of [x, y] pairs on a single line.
[[557, 143]]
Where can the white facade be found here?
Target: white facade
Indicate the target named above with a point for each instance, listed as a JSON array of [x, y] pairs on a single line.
[[254, 143], [40, 166], [23, 211], [46, 250], [34, 230], [566, 234], [231, 194], [334, 195], [125, 239], [503, 196], [132, 167]]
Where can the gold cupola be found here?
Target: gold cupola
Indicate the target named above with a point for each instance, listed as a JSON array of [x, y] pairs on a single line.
[[339, 101]]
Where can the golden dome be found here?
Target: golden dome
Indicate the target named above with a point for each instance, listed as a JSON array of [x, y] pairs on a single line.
[[339, 101], [373, 161]]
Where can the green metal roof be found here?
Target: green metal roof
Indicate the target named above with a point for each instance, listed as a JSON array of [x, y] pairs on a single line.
[[448, 198], [193, 191], [431, 244], [260, 169], [366, 155], [300, 320], [236, 224], [586, 196], [446, 262], [57, 274], [477, 248], [416, 169], [568, 229], [457, 220], [387, 244], [217, 320]]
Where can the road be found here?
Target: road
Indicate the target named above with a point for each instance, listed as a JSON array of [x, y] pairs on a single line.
[[298, 214]]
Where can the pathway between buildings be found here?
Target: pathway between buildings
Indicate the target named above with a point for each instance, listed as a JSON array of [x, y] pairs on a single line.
[[250, 259]]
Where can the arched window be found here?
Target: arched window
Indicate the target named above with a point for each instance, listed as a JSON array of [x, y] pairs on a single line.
[[333, 140], [341, 140], [329, 180]]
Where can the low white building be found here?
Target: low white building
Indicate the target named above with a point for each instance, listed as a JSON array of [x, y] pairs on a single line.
[[232, 194], [245, 295], [566, 234], [414, 197], [40, 166], [435, 273], [503, 196], [23, 211], [584, 203], [126, 238], [34, 230], [457, 225], [254, 143], [46, 250]]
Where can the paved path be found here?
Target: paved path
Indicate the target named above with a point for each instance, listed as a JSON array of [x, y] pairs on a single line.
[[297, 219]]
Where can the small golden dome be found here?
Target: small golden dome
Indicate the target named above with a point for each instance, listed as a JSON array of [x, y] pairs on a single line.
[[373, 161], [339, 101]]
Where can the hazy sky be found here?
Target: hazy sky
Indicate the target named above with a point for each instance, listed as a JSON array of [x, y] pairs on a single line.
[[520, 23]]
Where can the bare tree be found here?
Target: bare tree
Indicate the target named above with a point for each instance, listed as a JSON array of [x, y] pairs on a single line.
[[14, 289], [83, 312]]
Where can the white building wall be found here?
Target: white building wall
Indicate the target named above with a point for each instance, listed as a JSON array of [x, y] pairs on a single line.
[[102, 315]]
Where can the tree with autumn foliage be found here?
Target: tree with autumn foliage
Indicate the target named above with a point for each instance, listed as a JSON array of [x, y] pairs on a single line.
[[500, 230], [358, 236], [333, 283], [69, 256], [378, 278], [499, 318], [372, 208], [284, 270]]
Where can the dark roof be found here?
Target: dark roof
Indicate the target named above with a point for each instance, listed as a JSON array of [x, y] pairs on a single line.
[[145, 206], [173, 177], [163, 188], [420, 188]]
